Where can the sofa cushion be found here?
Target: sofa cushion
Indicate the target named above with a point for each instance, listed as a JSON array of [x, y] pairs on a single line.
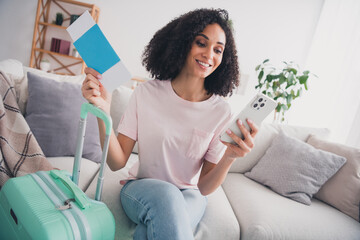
[[219, 221], [21, 83], [264, 214], [119, 100], [12, 66], [88, 169], [267, 132], [14, 71], [53, 113], [343, 189], [295, 169]]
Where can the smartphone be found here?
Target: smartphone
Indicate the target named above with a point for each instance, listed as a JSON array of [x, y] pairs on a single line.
[[256, 110]]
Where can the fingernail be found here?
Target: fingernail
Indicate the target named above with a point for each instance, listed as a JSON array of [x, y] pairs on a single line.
[[99, 76], [239, 121], [249, 121], [228, 131]]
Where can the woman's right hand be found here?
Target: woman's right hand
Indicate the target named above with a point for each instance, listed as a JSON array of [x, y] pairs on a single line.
[[94, 92]]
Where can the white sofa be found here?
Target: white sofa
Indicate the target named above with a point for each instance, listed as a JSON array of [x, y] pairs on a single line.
[[240, 209]]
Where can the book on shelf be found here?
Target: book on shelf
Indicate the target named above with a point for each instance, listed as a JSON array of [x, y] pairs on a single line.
[[60, 46]]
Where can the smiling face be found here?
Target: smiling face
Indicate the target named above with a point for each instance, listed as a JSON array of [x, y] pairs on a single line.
[[206, 52]]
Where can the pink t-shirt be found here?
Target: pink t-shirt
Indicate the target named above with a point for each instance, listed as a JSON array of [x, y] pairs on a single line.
[[174, 135]]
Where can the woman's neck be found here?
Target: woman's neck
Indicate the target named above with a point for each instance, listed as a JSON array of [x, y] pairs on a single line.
[[190, 88]]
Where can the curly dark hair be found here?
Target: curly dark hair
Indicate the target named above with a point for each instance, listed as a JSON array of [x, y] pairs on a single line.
[[165, 55]]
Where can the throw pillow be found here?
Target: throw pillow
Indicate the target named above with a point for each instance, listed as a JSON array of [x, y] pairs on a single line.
[[12, 66], [295, 169], [119, 100], [22, 84], [263, 140], [342, 191], [53, 113]]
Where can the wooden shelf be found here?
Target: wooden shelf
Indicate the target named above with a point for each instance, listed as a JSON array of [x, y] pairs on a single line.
[[87, 5], [57, 54], [60, 62], [52, 25]]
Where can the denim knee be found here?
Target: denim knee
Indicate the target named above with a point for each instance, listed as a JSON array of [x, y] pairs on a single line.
[[168, 197]]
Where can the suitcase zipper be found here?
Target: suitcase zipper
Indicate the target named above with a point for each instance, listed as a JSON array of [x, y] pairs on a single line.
[[77, 220]]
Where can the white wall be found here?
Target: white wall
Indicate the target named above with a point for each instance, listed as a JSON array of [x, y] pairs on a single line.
[[281, 30], [277, 29]]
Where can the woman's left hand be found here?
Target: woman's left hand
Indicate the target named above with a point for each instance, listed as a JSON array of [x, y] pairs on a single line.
[[243, 146]]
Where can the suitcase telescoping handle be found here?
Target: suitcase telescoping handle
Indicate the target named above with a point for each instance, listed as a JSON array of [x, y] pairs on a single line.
[[85, 108]]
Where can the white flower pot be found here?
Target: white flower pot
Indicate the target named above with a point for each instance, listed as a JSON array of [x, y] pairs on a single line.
[[45, 66]]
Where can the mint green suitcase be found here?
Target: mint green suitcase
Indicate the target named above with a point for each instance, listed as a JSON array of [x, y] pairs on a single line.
[[50, 205]]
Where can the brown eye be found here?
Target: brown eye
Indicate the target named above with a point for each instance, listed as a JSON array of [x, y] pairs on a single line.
[[200, 44], [218, 51]]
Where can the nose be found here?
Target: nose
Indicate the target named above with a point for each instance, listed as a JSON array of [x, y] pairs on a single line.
[[208, 53]]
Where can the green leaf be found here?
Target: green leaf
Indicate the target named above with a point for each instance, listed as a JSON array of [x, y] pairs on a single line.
[[278, 107], [274, 86], [305, 84], [293, 70], [269, 78], [303, 79], [288, 84], [277, 76], [282, 78], [261, 74], [306, 72], [299, 92], [290, 80], [288, 105], [265, 61], [288, 99], [264, 92], [257, 67], [292, 92]]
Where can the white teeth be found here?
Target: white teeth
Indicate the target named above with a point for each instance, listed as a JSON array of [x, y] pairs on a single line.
[[203, 64]]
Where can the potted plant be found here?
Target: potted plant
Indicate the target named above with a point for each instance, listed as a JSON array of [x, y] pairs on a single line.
[[283, 84], [73, 18], [59, 18]]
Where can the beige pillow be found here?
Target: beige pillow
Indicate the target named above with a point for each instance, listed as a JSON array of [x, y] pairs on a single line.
[[119, 100], [342, 191], [295, 169], [12, 66], [264, 138]]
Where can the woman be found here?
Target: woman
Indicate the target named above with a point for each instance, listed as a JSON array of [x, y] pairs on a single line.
[[176, 120]]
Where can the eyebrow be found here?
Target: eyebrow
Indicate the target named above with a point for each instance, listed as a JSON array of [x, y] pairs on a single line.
[[206, 37]]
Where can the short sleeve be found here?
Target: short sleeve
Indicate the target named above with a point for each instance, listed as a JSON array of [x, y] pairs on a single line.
[[216, 148], [128, 124]]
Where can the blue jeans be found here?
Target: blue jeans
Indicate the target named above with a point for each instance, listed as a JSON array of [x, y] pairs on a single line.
[[161, 210]]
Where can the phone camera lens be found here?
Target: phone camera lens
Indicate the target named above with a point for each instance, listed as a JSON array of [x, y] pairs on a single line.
[[260, 99], [263, 104], [255, 105]]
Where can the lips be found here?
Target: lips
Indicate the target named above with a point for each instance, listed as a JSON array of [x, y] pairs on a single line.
[[203, 63]]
